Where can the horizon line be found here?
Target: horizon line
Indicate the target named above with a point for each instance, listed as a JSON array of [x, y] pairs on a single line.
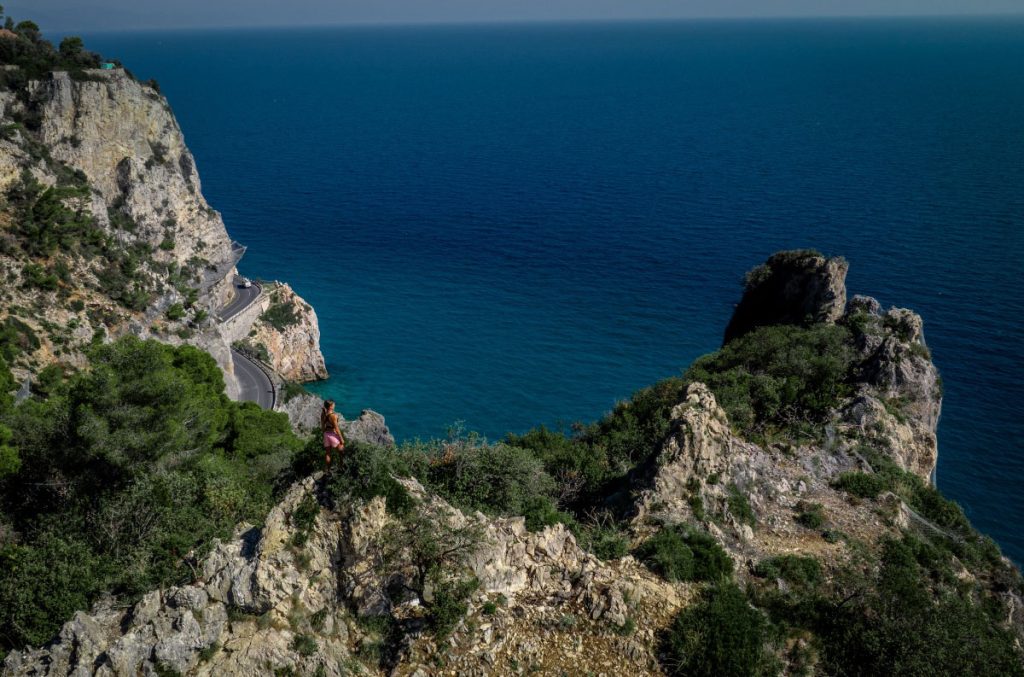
[[765, 18]]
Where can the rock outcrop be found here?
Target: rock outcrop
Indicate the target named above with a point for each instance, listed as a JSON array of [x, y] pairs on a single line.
[[288, 329], [793, 287], [335, 584], [369, 427], [252, 598], [897, 405]]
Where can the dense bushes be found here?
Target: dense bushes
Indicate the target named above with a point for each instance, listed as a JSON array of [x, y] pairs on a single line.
[[682, 554], [860, 484], [905, 621], [720, 636], [364, 471], [56, 219], [44, 221], [121, 478], [589, 467], [958, 536], [16, 338], [35, 56], [280, 315], [810, 515], [780, 380], [794, 569]]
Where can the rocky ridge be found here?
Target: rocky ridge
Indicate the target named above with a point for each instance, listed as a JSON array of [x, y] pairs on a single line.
[[304, 599], [262, 603]]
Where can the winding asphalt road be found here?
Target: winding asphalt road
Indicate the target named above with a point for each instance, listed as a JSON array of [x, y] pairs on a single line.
[[254, 383], [243, 299]]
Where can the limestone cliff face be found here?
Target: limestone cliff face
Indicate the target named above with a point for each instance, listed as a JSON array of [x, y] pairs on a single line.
[[169, 266], [289, 330], [122, 135]]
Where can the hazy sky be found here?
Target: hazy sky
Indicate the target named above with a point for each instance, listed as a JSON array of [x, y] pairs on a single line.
[[88, 15]]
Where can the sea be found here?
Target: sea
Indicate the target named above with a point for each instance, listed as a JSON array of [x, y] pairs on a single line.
[[502, 226]]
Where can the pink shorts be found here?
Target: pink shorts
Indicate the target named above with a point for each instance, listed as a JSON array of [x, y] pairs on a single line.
[[331, 440]]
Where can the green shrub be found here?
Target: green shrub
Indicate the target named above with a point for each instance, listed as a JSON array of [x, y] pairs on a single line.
[[496, 479], [176, 312], [317, 620], [304, 645], [739, 506], [280, 316], [163, 670], [794, 569], [366, 471], [207, 653], [901, 624], [697, 506], [44, 583], [606, 542], [627, 628], [860, 484], [667, 554], [810, 515], [253, 431], [449, 604], [16, 338], [34, 276], [303, 520], [681, 554], [52, 218], [293, 390], [720, 636]]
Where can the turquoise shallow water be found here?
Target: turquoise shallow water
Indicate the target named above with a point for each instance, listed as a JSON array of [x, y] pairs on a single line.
[[520, 225]]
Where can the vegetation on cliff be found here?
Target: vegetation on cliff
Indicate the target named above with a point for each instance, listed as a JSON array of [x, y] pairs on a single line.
[[118, 480], [34, 56]]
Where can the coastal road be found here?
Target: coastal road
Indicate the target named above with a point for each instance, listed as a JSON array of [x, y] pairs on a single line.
[[243, 299], [253, 383]]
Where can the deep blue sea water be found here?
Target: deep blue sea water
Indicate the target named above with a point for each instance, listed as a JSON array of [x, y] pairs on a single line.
[[514, 225]]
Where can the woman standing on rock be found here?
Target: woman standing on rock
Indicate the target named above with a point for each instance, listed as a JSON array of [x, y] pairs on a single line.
[[332, 433]]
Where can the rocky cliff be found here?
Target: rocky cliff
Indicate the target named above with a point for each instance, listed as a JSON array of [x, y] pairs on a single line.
[[106, 230], [356, 572], [289, 331]]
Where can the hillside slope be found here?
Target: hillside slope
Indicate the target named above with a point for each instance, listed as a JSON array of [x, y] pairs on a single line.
[[770, 512]]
